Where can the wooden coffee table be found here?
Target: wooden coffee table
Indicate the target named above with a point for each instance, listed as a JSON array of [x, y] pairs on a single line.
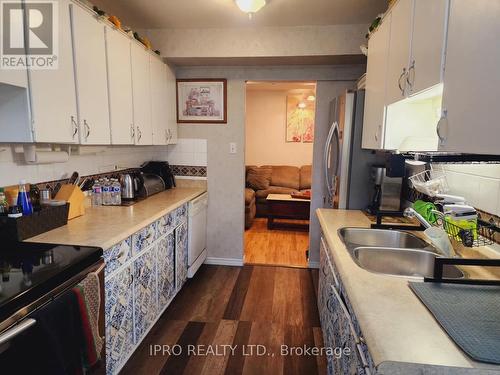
[[283, 206]]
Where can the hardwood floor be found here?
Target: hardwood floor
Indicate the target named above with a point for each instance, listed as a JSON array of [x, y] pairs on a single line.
[[237, 306], [275, 247]]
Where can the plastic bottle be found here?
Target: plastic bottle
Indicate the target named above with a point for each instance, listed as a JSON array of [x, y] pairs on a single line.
[[97, 194], [23, 199], [106, 193], [4, 207], [117, 192]]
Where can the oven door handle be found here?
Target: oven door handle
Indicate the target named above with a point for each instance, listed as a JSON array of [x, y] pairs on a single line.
[[16, 330]]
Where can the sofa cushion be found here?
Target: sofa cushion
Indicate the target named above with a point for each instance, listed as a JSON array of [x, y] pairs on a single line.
[[259, 178], [249, 196], [305, 177], [262, 194], [286, 176]]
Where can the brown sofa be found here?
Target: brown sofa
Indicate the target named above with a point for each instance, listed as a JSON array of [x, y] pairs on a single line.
[[284, 180]]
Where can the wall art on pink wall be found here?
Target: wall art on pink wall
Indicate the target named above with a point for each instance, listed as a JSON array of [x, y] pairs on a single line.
[[300, 114]]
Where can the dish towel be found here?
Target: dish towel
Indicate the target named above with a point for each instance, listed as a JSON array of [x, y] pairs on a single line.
[[89, 302]]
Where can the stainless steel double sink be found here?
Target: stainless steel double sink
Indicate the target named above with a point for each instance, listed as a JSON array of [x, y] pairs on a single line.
[[393, 252]]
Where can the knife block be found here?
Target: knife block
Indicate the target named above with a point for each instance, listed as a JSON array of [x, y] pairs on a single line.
[[76, 199]]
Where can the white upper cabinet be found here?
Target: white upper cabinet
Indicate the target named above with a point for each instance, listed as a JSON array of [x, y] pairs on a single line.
[[171, 103], [91, 77], [158, 79], [120, 87], [376, 77], [428, 45], [141, 95], [471, 79], [52, 92], [399, 50]]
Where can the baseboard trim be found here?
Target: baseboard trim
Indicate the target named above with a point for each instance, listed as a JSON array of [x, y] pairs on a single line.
[[313, 264], [224, 261]]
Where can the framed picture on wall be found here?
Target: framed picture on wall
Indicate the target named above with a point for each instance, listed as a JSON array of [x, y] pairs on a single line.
[[300, 114], [202, 101]]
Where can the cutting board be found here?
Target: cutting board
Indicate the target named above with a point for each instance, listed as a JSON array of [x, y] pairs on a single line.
[[470, 314]]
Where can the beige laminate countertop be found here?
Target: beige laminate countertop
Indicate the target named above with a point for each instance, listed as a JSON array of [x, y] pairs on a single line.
[[397, 327], [107, 225]]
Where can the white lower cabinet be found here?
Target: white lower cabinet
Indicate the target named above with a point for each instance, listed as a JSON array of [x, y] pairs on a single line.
[[339, 324], [143, 274]]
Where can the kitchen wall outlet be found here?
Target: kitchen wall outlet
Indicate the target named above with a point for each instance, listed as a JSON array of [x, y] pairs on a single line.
[[232, 148]]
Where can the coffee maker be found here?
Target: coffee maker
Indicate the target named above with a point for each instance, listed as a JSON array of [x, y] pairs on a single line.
[[386, 190]]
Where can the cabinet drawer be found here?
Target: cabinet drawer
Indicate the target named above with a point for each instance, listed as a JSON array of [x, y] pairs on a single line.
[[117, 255], [171, 220], [144, 238], [180, 214], [166, 224]]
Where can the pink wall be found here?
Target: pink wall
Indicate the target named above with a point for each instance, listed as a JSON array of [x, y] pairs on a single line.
[[265, 132]]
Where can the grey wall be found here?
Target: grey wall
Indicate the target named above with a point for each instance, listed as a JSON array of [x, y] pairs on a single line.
[[226, 171], [325, 92]]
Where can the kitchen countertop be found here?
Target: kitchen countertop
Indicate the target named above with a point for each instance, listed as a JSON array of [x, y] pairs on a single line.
[[397, 327], [105, 226]]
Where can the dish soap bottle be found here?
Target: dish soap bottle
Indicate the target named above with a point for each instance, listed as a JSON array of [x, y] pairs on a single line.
[[23, 199]]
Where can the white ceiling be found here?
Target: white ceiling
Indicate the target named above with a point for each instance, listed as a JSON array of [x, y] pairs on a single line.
[[224, 13]]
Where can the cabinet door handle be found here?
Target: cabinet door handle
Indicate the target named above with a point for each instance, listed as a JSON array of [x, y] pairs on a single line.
[[379, 130], [139, 134], [87, 127], [411, 81], [74, 125], [442, 121], [132, 131], [400, 85], [166, 136]]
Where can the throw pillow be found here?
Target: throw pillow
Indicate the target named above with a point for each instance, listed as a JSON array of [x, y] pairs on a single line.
[[259, 178]]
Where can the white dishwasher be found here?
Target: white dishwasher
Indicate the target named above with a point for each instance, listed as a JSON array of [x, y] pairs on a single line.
[[197, 233]]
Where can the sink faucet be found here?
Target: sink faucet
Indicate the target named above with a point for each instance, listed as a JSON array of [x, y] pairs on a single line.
[[411, 213]]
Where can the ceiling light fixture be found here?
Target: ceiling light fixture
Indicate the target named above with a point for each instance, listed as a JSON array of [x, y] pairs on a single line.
[[302, 105], [311, 98], [250, 6]]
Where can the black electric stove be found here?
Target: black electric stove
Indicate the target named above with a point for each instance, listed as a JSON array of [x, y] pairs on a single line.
[[31, 271]]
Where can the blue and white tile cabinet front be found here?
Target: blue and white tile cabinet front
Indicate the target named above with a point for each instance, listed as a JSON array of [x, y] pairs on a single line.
[[144, 238], [145, 293], [116, 256], [165, 255], [118, 317], [335, 321], [181, 254]]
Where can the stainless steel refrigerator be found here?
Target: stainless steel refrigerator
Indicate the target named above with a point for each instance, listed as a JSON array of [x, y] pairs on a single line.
[[347, 166]]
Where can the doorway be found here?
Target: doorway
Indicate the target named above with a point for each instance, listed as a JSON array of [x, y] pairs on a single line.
[[279, 133]]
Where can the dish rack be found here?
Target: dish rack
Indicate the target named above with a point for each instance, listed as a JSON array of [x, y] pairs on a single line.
[[483, 234], [430, 182]]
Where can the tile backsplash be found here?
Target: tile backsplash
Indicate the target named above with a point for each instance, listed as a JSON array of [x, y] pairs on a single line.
[[104, 159], [188, 152], [188, 158], [478, 183]]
